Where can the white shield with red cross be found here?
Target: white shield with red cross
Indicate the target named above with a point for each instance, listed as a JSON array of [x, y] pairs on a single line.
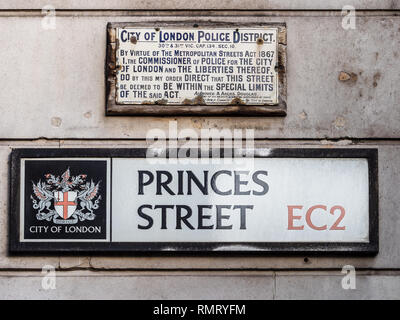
[[64, 203]]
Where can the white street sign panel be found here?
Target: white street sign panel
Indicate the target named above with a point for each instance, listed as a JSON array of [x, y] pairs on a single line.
[[256, 200]]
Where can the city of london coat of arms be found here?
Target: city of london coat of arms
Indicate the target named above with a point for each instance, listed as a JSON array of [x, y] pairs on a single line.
[[66, 199]]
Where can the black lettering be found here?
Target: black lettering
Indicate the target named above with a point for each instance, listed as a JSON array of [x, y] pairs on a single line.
[[164, 184], [260, 182], [239, 183], [180, 218], [180, 182], [214, 185], [202, 187], [145, 216], [141, 181], [243, 214], [220, 217], [163, 214], [202, 216]]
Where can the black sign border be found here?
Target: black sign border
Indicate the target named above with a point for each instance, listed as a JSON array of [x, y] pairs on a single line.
[[192, 248]]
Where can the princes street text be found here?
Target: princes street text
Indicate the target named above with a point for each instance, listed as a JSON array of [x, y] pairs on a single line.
[[200, 216]]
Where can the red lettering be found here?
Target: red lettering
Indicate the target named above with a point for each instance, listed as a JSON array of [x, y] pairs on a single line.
[[291, 217], [308, 217], [335, 226]]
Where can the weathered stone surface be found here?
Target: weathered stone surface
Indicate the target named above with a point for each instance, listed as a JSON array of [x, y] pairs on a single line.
[[388, 257], [7, 261], [341, 84], [198, 285], [128, 285], [66, 66], [329, 286], [202, 4], [74, 262]]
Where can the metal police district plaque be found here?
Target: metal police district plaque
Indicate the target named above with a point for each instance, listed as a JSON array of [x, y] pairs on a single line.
[[123, 200], [203, 69]]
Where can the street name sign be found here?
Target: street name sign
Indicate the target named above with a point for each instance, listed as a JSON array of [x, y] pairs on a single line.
[[123, 200]]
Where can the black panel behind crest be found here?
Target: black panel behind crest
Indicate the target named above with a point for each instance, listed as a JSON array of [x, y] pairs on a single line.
[[86, 184]]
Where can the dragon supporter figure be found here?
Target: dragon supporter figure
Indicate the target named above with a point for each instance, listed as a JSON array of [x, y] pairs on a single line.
[[66, 199]]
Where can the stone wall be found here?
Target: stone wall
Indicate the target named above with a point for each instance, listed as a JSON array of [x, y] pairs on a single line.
[[53, 95]]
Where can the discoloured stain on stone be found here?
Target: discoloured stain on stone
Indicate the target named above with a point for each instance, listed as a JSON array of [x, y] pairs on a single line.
[[377, 77], [199, 100], [73, 263], [339, 122], [161, 101], [303, 115], [88, 114], [237, 100], [56, 122], [341, 142], [158, 102], [198, 123], [347, 76]]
